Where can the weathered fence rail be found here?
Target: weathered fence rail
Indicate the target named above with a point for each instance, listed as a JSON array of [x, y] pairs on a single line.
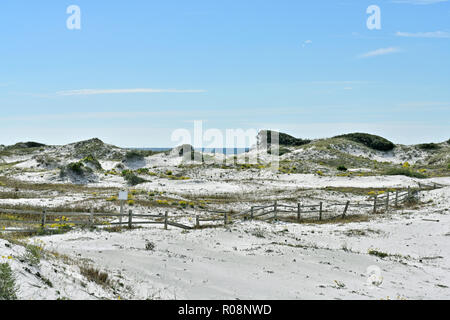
[[377, 203], [91, 219]]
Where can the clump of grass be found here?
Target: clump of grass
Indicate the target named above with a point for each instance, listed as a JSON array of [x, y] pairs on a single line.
[[33, 255], [95, 275], [149, 246], [259, 234], [8, 287], [377, 253]]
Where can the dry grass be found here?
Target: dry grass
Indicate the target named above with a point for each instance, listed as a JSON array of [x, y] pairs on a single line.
[[95, 275]]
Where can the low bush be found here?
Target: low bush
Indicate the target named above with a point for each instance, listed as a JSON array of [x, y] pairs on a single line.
[[92, 161], [377, 253], [342, 168], [369, 140], [8, 288], [134, 155], [405, 172], [76, 167], [131, 178], [429, 146]]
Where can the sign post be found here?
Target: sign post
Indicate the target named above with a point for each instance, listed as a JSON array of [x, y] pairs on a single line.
[[123, 196]]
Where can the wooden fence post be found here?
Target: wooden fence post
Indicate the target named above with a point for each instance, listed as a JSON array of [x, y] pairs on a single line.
[[252, 213], [130, 219], [375, 204], [91, 217], [165, 220], [387, 201], [346, 209], [299, 212], [44, 218], [435, 185], [396, 198], [226, 219], [409, 192], [320, 211], [197, 222]]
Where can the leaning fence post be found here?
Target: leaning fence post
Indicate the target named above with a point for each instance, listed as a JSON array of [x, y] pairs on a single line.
[[165, 220], [320, 211], [299, 211], [275, 209], [387, 201], [346, 209], [44, 218], [130, 219], [375, 204]]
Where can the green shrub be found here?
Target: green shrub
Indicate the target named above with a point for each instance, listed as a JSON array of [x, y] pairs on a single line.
[[93, 161], [131, 178], [134, 155], [76, 167], [369, 140], [8, 288], [429, 146], [404, 172], [342, 168], [284, 139]]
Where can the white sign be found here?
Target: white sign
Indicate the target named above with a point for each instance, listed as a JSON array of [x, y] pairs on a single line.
[[123, 195]]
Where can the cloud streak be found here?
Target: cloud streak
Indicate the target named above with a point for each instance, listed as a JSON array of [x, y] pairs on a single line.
[[435, 34], [89, 92], [379, 52], [419, 2]]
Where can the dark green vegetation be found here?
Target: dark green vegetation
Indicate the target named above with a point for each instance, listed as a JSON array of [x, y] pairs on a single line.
[[405, 172], [369, 140], [8, 288], [429, 146], [131, 178], [134, 155], [91, 160], [95, 148], [284, 139]]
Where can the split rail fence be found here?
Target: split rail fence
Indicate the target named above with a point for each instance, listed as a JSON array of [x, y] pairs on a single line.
[[320, 211]]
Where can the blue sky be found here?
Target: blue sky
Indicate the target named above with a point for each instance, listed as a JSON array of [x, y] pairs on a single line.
[[139, 69]]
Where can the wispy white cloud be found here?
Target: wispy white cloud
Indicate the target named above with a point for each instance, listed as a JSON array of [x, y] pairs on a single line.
[[86, 92], [379, 52], [420, 2], [434, 34], [307, 42]]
